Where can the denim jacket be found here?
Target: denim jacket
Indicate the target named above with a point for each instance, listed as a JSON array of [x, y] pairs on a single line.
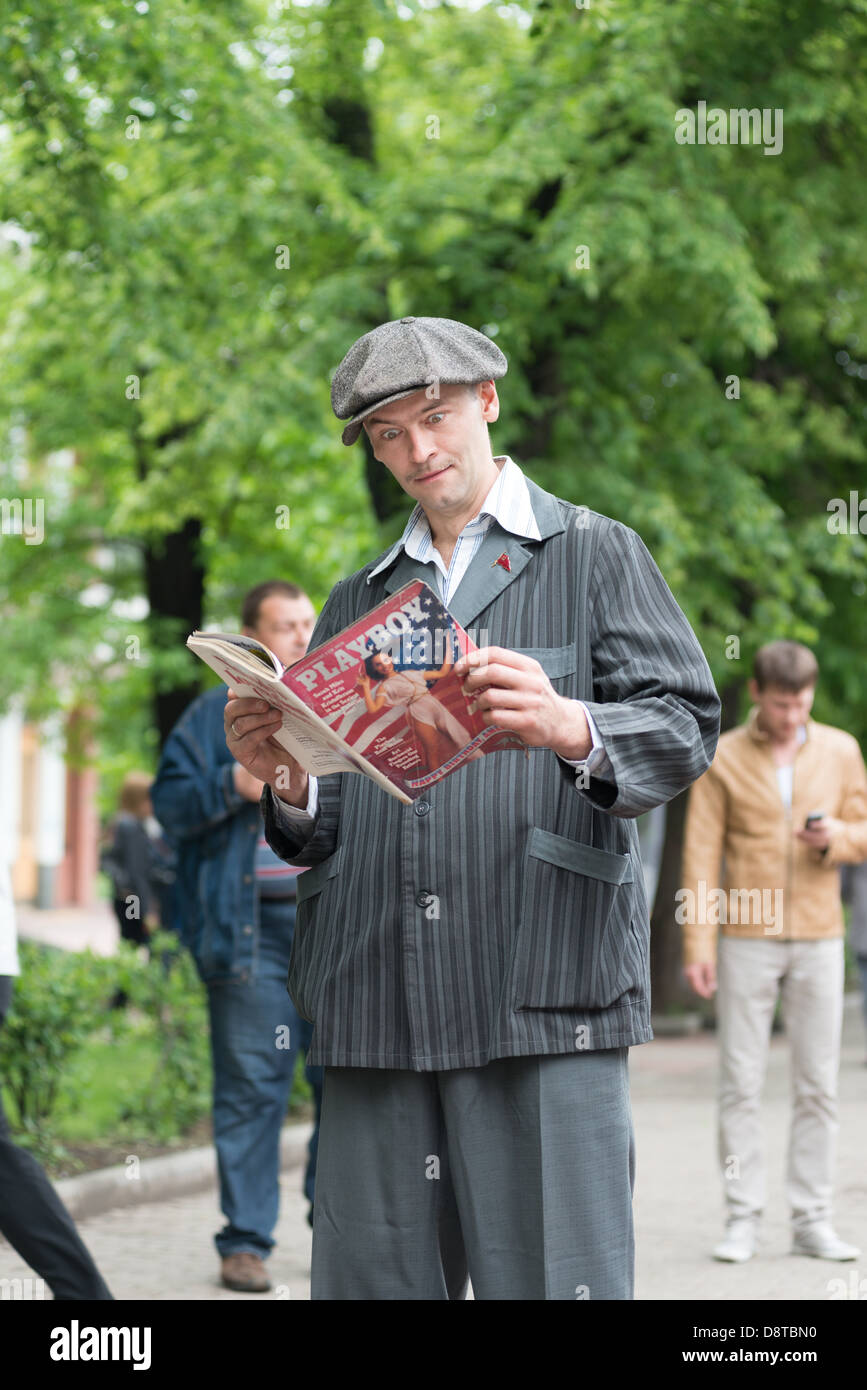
[[214, 830]]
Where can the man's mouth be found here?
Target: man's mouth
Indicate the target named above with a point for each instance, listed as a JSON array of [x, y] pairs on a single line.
[[428, 477]]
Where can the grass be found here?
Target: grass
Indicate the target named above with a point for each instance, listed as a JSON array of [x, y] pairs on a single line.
[[101, 1076], [98, 1081]]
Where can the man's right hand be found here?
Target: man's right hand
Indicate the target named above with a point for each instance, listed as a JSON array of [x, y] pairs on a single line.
[[702, 978], [252, 745]]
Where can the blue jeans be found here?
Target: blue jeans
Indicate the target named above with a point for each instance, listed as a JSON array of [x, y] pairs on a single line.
[[256, 1032]]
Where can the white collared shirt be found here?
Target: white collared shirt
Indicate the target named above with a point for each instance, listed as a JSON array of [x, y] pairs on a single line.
[[786, 774], [507, 502]]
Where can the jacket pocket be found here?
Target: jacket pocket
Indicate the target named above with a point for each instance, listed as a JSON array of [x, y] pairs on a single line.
[[555, 661], [312, 881], [310, 959], [574, 947]]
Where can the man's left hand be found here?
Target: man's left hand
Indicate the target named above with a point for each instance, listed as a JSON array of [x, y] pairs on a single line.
[[820, 835], [513, 692]]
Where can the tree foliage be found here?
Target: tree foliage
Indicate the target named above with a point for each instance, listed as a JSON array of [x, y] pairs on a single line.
[[438, 159]]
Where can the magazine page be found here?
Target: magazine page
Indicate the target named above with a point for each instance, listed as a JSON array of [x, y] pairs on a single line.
[[301, 733], [386, 687], [250, 646]]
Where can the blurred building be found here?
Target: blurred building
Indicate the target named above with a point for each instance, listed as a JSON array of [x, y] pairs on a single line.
[[49, 829]]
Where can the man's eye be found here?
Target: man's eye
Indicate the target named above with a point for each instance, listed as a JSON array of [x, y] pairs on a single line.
[[438, 415], [389, 434]]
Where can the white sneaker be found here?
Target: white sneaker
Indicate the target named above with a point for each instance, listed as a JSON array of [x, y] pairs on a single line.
[[823, 1242], [739, 1242]]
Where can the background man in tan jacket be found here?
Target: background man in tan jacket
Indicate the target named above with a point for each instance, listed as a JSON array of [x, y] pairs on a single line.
[[770, 886]]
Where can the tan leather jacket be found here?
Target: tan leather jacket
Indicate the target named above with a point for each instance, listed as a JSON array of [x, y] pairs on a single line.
[[744, 872]]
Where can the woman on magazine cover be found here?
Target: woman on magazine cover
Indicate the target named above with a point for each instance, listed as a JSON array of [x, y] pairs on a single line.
[[437, 731]]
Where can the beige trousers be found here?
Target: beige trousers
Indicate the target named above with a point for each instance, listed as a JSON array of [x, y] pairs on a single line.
[[751, 973]]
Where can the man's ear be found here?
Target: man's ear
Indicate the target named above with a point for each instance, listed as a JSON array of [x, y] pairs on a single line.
[[490, 400]]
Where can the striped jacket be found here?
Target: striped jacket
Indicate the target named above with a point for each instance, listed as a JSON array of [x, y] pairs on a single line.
[[504, 913]]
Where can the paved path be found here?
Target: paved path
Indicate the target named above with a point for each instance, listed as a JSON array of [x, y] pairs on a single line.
[[74, 928], [164, 1250], [678, 1193]]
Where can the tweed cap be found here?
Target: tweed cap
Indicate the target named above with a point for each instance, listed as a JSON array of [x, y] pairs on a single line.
[[407, 355]]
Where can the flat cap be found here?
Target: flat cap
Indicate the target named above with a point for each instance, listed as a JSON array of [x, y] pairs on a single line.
[[407, 355]]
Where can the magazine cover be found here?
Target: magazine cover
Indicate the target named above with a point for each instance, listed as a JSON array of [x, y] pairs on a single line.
[[385, 686], [379, 698]]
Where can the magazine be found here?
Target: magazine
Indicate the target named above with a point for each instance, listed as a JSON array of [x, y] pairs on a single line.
[[379, 698]]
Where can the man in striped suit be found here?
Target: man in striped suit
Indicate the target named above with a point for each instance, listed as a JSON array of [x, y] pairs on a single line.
[[476, 964]]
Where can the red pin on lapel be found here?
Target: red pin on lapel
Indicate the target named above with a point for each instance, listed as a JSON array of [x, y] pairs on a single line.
[[504, 561]]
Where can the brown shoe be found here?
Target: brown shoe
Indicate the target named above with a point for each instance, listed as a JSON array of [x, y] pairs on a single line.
[[245, 1273]]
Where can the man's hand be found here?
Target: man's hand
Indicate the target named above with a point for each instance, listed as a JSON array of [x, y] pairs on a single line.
[[249, 724], [702, 978], [820, 835], [246, 784], [514, 693]]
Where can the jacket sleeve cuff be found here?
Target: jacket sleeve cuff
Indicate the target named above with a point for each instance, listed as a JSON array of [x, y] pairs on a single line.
[[699, 945], [598, 790], [297, 818], [597, 759], [848, 846]]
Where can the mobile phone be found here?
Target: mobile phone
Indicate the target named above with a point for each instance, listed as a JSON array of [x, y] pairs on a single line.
[[813, 819]]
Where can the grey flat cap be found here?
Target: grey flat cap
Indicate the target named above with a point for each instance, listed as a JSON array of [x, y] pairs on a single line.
[[407, 355]]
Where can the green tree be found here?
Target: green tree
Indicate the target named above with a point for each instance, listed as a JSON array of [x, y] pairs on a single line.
[[513, 166]]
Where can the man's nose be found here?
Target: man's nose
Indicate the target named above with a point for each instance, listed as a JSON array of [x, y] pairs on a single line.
[[420, 447]]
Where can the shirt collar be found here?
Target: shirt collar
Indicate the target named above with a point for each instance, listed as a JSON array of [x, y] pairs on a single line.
[[759, 734], [507, 502]]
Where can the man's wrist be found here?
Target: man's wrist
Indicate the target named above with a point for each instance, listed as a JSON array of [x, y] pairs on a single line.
[[577, 741], [295, 796]]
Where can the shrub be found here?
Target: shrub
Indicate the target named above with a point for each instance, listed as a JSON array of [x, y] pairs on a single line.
[[60, 999], [168, 991]]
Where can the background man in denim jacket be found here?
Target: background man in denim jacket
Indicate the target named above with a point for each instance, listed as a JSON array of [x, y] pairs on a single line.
[[236, 913]]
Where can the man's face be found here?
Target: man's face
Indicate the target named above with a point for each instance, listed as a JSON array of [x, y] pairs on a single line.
[[781, 713], [437, 449], [285, 625]]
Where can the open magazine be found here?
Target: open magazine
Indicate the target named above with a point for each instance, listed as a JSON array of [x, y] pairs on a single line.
[[379, 698]]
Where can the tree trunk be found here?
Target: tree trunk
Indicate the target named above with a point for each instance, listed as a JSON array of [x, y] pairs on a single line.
[[175, 581], [668, 989]]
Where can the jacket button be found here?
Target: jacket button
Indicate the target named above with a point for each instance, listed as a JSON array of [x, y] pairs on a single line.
[[421, 808], [248, 930], [422, 899], [248, 878]]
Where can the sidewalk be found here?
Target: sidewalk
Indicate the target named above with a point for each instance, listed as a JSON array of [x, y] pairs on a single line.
[[678, 1190], [73, 928], [164, 1249]]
